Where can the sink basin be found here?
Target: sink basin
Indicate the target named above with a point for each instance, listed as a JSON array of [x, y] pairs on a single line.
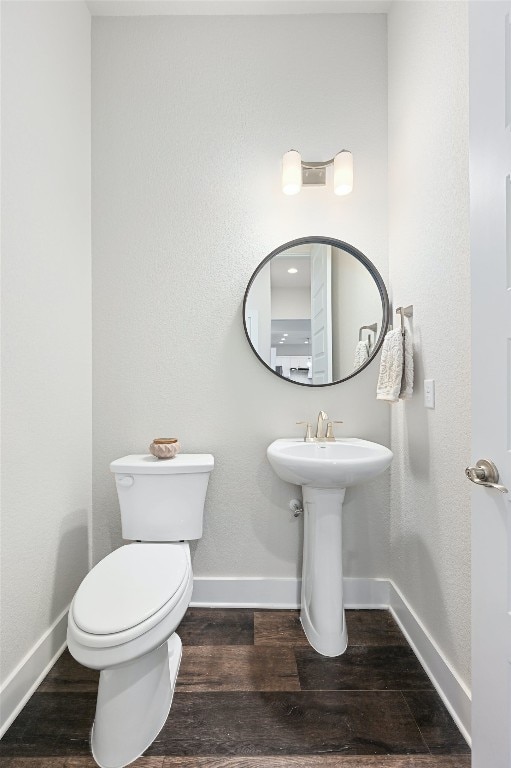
[[339, 464]]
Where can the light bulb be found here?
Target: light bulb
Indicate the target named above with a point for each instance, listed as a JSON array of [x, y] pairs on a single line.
[[291, 172], [343, 173]]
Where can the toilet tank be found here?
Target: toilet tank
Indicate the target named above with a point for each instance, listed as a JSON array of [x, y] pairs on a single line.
[[162, 499]]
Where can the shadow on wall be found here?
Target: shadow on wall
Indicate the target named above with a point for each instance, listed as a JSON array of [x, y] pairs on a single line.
[[415, 417], [365, 527], [72, 560], [421, 569], [277, 495]]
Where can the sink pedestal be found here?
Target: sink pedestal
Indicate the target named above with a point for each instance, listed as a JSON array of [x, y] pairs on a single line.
[[322, 609], [325, 469]]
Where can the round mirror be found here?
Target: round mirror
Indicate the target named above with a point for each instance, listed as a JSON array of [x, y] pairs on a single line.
[[316, 311]]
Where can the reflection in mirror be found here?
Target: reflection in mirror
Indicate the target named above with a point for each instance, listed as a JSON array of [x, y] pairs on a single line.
[[316, 312]]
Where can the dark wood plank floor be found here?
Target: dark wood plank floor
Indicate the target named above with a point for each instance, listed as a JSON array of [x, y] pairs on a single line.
[[252, 693]]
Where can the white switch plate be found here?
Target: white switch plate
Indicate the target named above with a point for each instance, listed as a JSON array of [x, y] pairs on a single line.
[[429, 393]]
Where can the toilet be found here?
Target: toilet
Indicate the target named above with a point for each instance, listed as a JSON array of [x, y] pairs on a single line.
[[123, 618]]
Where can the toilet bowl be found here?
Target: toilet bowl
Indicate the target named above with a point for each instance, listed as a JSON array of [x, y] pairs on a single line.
[[123, 618]]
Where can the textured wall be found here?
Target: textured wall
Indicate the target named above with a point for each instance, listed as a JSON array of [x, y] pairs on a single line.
[[429, 268], [46, 317], [190, 119]]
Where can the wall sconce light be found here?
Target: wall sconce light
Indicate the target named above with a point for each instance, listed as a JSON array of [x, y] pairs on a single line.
[[297, 172]]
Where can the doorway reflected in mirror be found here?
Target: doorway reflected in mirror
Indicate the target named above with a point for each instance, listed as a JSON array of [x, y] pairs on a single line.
[[316, 311]]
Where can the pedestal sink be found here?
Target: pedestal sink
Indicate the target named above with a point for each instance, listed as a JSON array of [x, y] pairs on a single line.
[[325, 470]]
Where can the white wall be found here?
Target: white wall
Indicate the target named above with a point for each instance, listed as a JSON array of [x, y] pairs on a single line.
[[191, 116], [46, 318], [294, 350], [429, 268], [290, 303]]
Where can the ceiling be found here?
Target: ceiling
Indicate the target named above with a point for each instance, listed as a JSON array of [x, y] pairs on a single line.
[[280, 277], [233, 7]]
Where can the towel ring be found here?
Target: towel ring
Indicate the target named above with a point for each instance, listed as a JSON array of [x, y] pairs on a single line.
[[372, 328], [404, 312]]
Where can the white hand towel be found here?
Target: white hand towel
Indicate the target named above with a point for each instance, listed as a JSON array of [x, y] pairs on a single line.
[[361, 354], [396, 368]]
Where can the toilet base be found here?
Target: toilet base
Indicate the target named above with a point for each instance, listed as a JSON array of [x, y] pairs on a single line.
[[133, 704]]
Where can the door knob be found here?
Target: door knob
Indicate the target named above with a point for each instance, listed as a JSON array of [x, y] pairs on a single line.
[[485, 473]]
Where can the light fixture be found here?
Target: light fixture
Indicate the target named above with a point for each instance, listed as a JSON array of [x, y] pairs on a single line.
[[297, 172], [285, 334], [291, 173], [306, 342], [292, 271], [343, 173], [281, 342]]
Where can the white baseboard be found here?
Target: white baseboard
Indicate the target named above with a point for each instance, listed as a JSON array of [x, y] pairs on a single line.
[[451, 689], [255, 592], [32, 669], [366, 593], [358, 593]]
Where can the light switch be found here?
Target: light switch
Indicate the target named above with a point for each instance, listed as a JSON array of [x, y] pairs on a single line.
[[429, 393]]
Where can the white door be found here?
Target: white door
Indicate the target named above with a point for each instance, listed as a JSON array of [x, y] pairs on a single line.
[[490, 190], [321, 313]]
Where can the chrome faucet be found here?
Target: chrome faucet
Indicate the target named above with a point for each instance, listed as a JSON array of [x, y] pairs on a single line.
[[319, 429]]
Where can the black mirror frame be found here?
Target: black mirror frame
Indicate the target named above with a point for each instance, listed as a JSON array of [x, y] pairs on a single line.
[[372, 271]]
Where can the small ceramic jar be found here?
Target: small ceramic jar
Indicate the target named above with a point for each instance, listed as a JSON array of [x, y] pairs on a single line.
[[165, 447]]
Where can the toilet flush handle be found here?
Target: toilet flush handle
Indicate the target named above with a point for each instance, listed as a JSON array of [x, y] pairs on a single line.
[[126, 481]]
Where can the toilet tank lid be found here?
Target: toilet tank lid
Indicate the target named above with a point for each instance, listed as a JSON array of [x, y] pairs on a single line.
[[146, 464]]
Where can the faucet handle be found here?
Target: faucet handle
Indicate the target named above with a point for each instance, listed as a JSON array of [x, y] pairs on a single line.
[[308, 433], [330, 429]]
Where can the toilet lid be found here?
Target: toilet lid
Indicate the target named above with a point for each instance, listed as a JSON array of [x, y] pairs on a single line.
[[129, 586]]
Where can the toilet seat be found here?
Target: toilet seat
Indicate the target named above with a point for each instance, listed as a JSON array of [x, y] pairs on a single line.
[[129, 592], [107, 651]]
